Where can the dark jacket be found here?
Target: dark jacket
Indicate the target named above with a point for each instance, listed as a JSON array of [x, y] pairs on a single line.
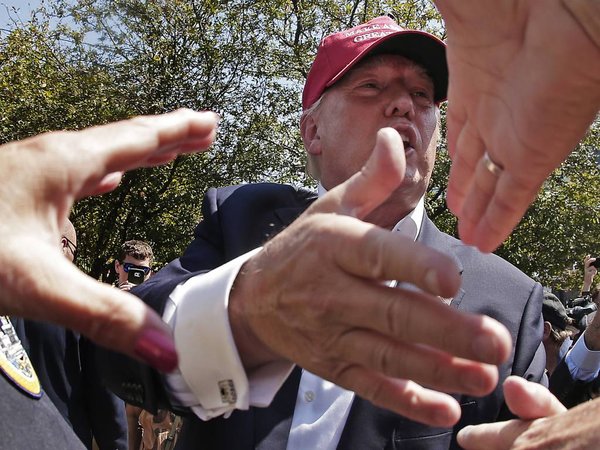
[[240, 218]]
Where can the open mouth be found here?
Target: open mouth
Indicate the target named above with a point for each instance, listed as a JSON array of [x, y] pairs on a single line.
[[407, 136]]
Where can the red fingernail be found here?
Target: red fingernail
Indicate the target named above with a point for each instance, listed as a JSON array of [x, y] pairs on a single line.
[[157, 350]]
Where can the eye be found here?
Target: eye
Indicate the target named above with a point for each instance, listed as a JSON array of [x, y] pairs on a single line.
[[423, 97], [369, 85], [421, 94]]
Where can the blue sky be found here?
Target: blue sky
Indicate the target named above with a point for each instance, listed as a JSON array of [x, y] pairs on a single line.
[[23, 7]]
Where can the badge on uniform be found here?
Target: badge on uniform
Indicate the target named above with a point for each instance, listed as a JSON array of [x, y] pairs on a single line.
[[15, 363]]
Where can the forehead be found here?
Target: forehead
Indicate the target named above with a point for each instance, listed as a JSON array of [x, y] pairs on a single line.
[[372, 64], [139, 262]]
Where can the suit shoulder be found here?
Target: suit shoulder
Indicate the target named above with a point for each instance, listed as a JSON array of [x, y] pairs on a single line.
[[500, 268], [475, 262], [283, 194]]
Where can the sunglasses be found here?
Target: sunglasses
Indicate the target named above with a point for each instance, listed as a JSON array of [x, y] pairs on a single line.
[[127, 266]]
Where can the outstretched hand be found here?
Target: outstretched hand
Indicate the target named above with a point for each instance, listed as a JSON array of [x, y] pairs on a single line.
[[531, 402], [41, 178], [524, 79], [316, 295]]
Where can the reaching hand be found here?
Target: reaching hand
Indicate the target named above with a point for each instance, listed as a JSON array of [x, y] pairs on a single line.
[[41, 178], [315, 295], [589, 272], [524, 79], [527, 400]]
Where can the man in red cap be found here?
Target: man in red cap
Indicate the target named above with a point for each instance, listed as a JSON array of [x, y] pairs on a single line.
[[379, 310]]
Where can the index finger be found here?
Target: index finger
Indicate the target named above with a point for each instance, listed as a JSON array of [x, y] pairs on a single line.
[[88, 156], [492, 436]]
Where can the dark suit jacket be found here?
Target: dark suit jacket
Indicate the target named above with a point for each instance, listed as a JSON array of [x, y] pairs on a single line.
[[66, 365], [240, 218]]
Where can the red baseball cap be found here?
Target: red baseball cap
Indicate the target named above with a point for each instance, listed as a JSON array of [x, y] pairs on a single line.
[[339, 52]]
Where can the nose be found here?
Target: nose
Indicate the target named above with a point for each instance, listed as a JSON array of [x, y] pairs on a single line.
[[400, 104]]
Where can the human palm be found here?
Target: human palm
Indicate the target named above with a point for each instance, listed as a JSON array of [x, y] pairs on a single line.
[[524, 86]]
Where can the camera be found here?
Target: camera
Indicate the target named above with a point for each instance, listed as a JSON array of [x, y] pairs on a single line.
[[135, 276], [596, 263]]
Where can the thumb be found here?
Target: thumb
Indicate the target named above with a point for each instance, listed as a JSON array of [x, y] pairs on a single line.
[[529, 400], [373, 184]]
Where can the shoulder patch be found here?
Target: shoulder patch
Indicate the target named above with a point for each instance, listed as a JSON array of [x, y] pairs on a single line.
[[14, 361]]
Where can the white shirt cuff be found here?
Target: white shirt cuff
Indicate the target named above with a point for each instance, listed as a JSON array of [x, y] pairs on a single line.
[[211, 379], [583, 363]]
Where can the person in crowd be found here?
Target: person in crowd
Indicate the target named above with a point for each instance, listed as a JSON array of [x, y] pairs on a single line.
[[137, 255], [557, 333], [523, 91], [371, 97], [576, 378], [146, 431], [65, 364]]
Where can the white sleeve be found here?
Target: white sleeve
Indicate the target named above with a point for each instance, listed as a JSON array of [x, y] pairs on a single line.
[[583, 363], [210, 378]]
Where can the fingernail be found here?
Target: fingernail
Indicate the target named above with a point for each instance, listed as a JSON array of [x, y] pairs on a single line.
[[447, 417], [464, 434], [156, 349], [432, 281], [485, 349], [477, 383]]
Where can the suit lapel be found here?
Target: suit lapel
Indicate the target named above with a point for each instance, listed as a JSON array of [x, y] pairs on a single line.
[[434, 238]]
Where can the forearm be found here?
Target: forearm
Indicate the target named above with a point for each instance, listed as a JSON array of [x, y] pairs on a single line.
[[592, 334], [586, 286]]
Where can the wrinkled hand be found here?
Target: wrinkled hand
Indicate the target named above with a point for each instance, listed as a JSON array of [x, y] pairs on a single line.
[[41, 178], [529, 401], [315, 295], [524, 81]]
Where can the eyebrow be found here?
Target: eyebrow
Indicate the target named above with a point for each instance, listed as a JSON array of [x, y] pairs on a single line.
[[371, 64]]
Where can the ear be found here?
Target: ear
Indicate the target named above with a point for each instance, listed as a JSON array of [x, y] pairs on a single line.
[[64, 245], [117, 265], [310, 134], [547, 330]]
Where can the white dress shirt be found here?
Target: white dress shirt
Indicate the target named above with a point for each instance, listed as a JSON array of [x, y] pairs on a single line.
[[211, 379], [583, 363]]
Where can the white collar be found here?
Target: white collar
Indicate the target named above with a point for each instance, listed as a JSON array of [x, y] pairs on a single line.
[[409, 225]]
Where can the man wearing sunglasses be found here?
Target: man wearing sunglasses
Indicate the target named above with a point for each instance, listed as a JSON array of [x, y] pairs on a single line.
[[133, 267], [134, 258]]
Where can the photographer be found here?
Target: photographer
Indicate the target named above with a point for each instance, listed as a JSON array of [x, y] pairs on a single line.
[[134, 264]]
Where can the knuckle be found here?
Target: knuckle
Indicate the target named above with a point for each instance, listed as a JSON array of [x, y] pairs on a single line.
[[375, 255], [398, 316], [383, 359], [376, 392]]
